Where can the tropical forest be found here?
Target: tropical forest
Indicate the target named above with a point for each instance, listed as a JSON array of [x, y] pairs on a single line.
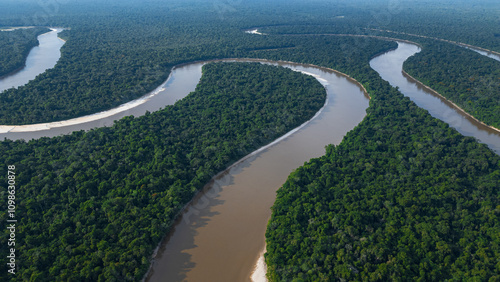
[[230, 140]]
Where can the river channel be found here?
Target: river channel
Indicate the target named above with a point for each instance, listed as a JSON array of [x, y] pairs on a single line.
[[220, 235], [389, 66], [40, 58]]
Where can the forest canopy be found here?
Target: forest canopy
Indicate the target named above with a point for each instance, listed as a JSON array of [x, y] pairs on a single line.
[[404, 196], [95, 204], [15, 46]]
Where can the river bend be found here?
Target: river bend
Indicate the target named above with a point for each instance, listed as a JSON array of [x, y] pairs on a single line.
[[220, 235], [390, 65], [39, 59]]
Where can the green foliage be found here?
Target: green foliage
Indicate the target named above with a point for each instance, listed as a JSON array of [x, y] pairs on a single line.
[[403, 197], [466, 78], [15, 46], [474, 23], [115, 54], [470, 80], [94, 205]]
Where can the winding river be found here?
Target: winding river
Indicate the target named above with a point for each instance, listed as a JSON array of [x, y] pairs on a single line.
[[220, 235], [181, 82], [389, 66], [488, 54], [40, 58]]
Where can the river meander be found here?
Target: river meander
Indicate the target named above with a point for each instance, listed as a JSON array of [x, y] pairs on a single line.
[[40, 58], [390, 65], [220, 235]]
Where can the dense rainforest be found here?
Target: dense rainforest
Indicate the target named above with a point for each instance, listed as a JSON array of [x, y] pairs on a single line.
[[470, 80], [402, 193], [121, 54], [15, 46], [403, 197], [463, 76], [127, 50], [94, 205]]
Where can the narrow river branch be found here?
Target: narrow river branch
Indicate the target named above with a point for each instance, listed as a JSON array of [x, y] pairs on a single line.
[[40, 58]]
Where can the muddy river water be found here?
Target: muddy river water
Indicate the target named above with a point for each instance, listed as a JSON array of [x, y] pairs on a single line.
[[220, 235]]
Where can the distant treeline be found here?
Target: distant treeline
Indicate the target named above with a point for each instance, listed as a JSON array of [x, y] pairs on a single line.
[[463, 76]]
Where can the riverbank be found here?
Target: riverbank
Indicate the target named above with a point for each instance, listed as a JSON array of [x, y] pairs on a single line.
[[186, 244], [440, 39], [22, 67], [37, 60], [416, 81], [251, 184], [254, 31], [15, 28], [259, 273], [18, 41], [80, 120]]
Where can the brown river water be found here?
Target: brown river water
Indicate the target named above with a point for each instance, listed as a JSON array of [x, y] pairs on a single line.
[[389, 66], [40, 58], [220, 235]]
